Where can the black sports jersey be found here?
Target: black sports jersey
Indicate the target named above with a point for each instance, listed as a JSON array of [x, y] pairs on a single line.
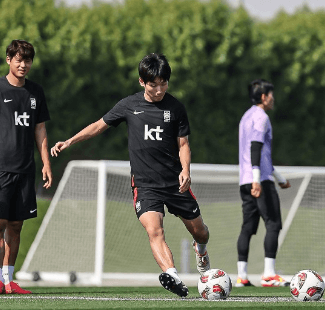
[[21, 108], [153, 128]]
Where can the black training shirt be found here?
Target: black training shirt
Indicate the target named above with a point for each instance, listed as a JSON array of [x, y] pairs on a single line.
[[153, 128], [21, 108]]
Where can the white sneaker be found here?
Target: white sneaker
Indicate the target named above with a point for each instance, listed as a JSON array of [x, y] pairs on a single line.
[[202, 260], [274, 281]]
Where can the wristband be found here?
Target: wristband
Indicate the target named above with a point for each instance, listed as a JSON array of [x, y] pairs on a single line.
[[256, 175], [279, 178]]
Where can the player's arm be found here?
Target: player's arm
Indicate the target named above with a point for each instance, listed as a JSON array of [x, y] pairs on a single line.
[[90, 131], [42, 146], [185, 158], [256, 148], [282, 181]]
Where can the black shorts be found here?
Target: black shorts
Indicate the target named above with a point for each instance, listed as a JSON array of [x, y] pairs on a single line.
[[17, 196], [154, 199], [266, 206]]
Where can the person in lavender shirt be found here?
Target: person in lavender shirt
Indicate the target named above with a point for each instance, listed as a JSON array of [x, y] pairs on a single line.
[[257, 188]]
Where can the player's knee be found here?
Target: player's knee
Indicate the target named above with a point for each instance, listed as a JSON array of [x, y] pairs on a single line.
[[273, 228], [3, 225], [249, 229], [154, 232], [14, 227]]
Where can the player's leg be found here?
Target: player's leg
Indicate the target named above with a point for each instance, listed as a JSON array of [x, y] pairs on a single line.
[[22, 207], [8, 183], [269, 205], [149, 209], [197, 229], [12, 242], [153, 223], [200, 234], [150, 212], [185, 206], [249, 228], [3, 224]]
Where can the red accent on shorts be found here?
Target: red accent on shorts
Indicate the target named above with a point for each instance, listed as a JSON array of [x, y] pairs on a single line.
[[135, 196], [192, 193], [132, 180]]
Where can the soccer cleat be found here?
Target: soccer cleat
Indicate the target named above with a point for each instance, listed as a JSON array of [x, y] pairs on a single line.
[[274, 281], [202, 260], [14, 288], [243, 282], [169, 283]]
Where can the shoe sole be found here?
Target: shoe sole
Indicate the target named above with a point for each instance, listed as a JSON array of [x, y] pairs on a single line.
[[276, 284], [243, 285], [168, 283], [16, 293]]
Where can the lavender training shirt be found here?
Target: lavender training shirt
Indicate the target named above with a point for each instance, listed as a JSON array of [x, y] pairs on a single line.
[[255, 125]]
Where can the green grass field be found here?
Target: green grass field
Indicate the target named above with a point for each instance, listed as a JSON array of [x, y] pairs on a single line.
[[151, 298], [74, 297]]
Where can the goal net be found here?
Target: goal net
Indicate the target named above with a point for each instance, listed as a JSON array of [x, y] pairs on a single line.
[[91, 230]]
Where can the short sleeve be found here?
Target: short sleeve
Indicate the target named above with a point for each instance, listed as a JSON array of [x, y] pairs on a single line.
[[116, 115], [260, 128], [183, 123], [43, 114]]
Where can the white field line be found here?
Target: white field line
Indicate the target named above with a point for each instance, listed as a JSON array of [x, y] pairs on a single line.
[[229, 299]]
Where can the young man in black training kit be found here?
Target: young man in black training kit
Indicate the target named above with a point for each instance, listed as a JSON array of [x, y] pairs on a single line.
[[23, 112], [160, 159]]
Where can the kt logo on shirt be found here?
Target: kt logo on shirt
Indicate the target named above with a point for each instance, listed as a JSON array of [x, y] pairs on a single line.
[[149, 134], [21, 120]]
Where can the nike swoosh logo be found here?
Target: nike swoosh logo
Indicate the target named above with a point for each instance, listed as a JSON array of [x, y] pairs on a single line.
[[138, 112], [194, 210], [32, 211], [7, 100]]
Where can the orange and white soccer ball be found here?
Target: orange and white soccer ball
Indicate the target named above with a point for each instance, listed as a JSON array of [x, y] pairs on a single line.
[[307, 285], [214, 284]]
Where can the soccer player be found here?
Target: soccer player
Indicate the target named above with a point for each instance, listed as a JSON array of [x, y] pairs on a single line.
[[257, 188], [160, 156], [23, 113]]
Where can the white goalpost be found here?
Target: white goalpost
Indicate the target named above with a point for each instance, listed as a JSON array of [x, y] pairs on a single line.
[[91, 235]]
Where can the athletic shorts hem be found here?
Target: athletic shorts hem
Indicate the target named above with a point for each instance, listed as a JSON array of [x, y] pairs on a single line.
[[179, 204]]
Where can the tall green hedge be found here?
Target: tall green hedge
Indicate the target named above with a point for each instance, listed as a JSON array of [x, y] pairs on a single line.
[[87, 58]]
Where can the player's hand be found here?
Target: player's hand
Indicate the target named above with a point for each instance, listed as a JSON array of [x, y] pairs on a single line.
[[256, 189], [58, 147], [285, 185], [47, 176], [184, 181]]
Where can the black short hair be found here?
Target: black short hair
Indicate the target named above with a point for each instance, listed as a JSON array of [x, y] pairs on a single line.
[[152, 66], [257, 88], [21, 47]]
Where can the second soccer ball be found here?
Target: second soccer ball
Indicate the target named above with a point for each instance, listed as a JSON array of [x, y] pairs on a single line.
[[307, 285]]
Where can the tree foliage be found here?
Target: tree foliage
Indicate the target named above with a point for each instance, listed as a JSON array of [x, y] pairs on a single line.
[[87, 58]]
